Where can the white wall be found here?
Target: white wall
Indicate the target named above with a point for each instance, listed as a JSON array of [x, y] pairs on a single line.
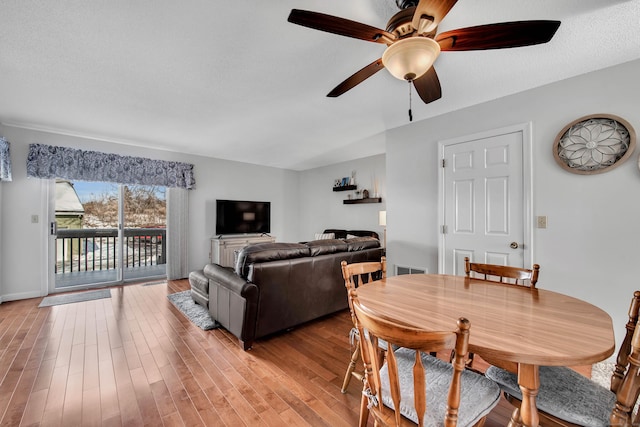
[[591, 247], [23, 257], [322, 208]]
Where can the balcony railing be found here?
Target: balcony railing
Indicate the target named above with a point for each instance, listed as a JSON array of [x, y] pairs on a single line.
[[95, 249]]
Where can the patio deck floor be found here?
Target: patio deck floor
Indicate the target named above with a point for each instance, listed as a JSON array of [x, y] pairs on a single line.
[[102, 277]]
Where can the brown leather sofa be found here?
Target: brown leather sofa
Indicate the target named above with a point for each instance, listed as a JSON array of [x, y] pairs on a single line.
[[276, 286]]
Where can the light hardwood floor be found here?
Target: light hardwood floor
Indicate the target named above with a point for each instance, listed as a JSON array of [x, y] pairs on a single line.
[[135, 360]]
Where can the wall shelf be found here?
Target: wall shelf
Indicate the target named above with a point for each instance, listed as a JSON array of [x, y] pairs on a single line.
[[345, 188], [356, 201]]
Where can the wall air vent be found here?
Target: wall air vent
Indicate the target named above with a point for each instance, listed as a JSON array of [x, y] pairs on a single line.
[[409, 270]]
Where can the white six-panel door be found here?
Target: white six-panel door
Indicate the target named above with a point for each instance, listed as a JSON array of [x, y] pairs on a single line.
[[483, 199]]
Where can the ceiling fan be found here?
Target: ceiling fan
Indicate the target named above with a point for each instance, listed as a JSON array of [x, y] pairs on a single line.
[[413, 45]]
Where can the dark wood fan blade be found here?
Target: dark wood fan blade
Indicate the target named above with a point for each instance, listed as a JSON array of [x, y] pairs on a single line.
[[357, 78], [428, 86], [498, 36], [432, 10], [340, 26]]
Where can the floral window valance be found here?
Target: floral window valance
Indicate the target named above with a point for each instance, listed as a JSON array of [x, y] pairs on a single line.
[[47, 161], [5, 160]]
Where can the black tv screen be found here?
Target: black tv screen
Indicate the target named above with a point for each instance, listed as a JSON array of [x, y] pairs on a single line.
[[242, 217]]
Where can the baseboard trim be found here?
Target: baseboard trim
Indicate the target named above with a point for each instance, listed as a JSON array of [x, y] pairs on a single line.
[[19, 296]]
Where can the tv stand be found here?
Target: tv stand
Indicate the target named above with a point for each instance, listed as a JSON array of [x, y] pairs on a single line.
[[224, 248]]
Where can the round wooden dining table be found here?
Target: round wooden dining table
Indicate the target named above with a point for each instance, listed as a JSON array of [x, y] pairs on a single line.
[[525, 327]]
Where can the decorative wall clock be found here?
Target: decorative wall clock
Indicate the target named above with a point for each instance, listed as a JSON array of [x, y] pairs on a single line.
[[594, 144]]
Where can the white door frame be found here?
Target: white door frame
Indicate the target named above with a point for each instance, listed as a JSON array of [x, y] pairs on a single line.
[[527, 181], [47, 213]]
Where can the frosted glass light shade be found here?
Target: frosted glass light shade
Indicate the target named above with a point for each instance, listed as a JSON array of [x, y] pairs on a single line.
[[410, 58]]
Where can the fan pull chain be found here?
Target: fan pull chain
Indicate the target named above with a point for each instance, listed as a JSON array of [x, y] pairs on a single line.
[[410, 113]]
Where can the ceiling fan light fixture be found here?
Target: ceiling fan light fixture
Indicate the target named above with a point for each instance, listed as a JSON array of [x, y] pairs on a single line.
[[410, 58]]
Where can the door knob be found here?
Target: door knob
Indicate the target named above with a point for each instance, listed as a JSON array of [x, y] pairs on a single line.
[[514, 245]]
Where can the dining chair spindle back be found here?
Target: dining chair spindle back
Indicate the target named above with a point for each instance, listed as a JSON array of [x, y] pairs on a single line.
[[502, 273], [628, 389], [428, 391], [358, 274]]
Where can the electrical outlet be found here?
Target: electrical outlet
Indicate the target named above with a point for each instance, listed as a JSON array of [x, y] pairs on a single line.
[[34, 219], [542, 221]]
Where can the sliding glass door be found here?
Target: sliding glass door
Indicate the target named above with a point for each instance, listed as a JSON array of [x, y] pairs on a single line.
[[145, 232], [108, 233]]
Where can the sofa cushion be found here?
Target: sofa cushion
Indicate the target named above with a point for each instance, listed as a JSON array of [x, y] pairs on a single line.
[[326, 246], [363, 233], [339, 234], [199, 287], [198, 280], [322, 236], [342, 234], [265, 252], [361, 243]]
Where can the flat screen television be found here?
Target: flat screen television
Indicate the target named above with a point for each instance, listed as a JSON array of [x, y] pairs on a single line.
[[242, 217]]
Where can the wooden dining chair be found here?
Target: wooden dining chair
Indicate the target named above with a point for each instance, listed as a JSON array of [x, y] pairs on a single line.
[[628, 389], [567, 398], [502, 273], [424, 390], [358, 274]]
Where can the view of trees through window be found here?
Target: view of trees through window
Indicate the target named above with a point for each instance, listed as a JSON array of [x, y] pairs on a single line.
[[144, 207]]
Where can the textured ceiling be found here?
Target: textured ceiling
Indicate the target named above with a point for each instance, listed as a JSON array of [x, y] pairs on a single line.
[[234, 80]]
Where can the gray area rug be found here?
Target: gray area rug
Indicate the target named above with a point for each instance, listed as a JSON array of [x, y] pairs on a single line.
[[194, 312], [77, 297], [601, 373]]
